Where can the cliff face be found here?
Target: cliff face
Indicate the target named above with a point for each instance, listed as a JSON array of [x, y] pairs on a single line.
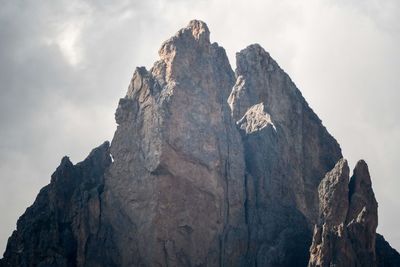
[[286, 158], [210, 168], [177, 179]]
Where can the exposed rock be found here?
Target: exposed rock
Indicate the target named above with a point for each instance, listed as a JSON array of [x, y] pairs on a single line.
[[362, 217], [386, 256], [206, 175], [304, 145], [255, 119], [331, 246], [345, 235], [60, 228], [333, 194], [287, 153], [177, 181]]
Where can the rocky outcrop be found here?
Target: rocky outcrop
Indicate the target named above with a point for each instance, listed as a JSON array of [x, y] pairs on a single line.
[[209, 167], [362, 216], [345, 234], [386, 256], [177, 181], [331, 245], [61, 227], [287, 152]]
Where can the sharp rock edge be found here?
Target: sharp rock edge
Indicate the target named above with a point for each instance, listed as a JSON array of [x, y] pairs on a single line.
[[207, 167]]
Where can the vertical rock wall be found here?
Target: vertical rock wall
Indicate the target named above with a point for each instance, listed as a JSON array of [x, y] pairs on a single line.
[[207, 168], [287, 152]]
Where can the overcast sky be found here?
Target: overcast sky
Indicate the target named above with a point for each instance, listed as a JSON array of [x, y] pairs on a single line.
[[64, 65]]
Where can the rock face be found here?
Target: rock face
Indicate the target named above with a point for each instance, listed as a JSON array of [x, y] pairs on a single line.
[[287, 153], [208, 168], [177, 181], [345, 234], [61, 226], [385, 255]]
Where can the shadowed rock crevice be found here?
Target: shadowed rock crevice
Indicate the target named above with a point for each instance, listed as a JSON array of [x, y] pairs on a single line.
[[210, 167]]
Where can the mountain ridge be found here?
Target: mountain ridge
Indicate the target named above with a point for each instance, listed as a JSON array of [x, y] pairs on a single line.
[[210, 167]]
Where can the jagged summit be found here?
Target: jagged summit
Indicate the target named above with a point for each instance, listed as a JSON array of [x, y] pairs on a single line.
[[253, 53], [199, 30], [209, 167], [194, 36], [346, 232], [196, 30]]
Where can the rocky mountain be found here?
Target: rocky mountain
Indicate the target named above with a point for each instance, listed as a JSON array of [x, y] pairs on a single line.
[[207, 167]]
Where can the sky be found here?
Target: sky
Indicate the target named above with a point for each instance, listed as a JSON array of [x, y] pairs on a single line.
[[64, 64]]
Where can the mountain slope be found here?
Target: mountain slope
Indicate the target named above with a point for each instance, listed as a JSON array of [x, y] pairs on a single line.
[[209, 167]]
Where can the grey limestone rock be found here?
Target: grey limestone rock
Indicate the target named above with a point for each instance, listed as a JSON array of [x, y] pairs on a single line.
[[345, 234], [209, 167], [178, 174], [286, 159], [61, 227]]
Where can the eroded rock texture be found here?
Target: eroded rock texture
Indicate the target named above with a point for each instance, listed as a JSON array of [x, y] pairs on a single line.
[[61, 227], [345, 234], [210, 168], [177, 181], [287, 152]]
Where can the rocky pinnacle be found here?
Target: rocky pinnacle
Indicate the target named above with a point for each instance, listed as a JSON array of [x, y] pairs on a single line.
[[208, 167]]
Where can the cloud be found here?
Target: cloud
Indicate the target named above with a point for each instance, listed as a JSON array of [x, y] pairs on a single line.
[[65, 64]]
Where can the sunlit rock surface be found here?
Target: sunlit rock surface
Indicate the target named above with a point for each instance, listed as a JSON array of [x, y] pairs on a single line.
[[207, 167]]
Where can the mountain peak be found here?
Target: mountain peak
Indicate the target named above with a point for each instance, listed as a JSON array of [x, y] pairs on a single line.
[[199, 30], [208, 168], [195, 35]]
